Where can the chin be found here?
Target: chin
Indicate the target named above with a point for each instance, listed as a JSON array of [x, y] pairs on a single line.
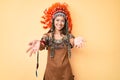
[[59, 29]]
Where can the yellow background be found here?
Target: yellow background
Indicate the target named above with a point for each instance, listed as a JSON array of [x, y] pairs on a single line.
[[98, 21]]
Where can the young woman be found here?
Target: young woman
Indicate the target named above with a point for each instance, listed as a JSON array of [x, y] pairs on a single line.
[[58, 41]]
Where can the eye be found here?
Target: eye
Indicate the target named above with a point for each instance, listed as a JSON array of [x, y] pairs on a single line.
[[63, 21], [57, 19]]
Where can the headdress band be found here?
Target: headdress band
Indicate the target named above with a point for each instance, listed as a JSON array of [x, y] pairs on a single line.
[[59, 14]]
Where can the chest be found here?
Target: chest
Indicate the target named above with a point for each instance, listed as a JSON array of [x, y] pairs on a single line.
[[58, 44]]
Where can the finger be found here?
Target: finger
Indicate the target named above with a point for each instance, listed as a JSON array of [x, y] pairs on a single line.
[[84, 41], [31, 53], [28, 49], [31, 43], [35, 50], [79, 46], [83, 44], [75, 45]]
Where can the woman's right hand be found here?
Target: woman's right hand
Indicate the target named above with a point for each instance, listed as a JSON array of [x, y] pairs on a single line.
[[33, 47]]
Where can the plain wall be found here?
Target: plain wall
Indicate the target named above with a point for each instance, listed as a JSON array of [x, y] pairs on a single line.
[[97, 21]]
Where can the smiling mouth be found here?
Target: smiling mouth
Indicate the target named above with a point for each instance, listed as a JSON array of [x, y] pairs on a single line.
[[59, 26]]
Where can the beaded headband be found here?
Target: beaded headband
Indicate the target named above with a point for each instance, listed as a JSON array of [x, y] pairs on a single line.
[[59, 14]]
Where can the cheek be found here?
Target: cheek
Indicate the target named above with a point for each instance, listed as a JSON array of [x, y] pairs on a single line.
[[63, 23], [55, 22]]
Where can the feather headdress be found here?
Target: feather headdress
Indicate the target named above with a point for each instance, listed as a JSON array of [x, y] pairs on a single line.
[[55, 8]]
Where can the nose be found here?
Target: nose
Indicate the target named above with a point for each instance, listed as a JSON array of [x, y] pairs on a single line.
[[60, 22]]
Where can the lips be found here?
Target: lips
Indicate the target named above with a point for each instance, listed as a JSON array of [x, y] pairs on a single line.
[[59, 26]]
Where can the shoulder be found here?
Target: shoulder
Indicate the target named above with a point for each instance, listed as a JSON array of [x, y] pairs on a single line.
[[69, 36], [47, 36]]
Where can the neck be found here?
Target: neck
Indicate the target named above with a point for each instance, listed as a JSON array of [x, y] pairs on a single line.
[[58, 35], [57, 32]]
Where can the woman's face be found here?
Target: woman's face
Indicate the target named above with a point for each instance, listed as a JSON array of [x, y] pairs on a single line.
[[59, 22]]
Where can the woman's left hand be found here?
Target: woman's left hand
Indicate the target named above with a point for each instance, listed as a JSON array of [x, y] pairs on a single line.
[[79, 42]]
